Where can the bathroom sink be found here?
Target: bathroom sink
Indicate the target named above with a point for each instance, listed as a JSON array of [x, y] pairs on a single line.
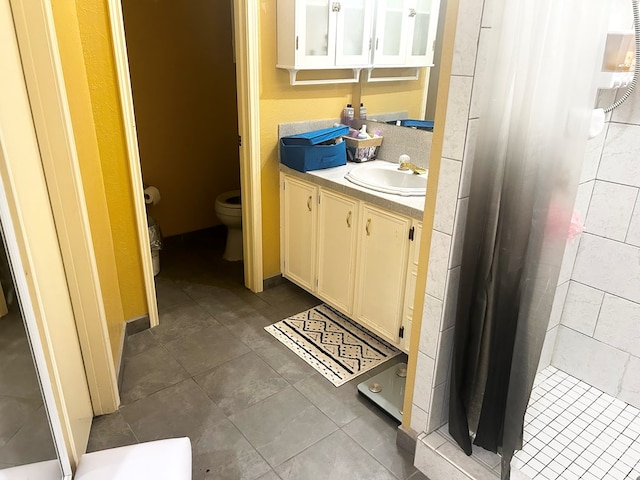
[[386, 178]]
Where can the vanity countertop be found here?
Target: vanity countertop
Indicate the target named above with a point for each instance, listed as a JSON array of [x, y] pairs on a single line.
[[333, 178]]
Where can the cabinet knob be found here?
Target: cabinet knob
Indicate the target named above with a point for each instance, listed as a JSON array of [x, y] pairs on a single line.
[[309, 203], [335, 6], [349, 219], [368, 227], [412, 12]]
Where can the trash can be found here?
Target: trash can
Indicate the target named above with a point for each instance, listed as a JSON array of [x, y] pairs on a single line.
[[155, 243]]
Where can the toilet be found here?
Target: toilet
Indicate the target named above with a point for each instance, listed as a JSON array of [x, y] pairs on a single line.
[[229, 212]]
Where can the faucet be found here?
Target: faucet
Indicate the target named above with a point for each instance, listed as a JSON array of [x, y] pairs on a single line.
[[405, 164]]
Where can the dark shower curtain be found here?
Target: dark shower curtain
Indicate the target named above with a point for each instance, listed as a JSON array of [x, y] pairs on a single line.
[[538, 97]]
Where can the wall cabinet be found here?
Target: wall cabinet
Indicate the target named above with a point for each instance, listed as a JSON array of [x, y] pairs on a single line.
[[405, 32], [390, 32], [350, 254], [422, 36], [323, 34], [355, 35]]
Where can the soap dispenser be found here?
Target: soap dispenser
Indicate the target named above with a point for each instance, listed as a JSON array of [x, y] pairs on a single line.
[[362, 134]]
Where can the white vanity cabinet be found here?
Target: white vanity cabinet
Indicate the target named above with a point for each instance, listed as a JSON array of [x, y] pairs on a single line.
[[299, 220], [321, 34], [381, 270], [350, 254], [405, 32], [337, 241]]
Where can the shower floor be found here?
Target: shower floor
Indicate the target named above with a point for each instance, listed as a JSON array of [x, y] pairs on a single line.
[[575, 431]]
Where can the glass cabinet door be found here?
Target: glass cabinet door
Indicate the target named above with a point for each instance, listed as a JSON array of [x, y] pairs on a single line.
[[423, 16], [315, 33], [390, 32], [353, 36]]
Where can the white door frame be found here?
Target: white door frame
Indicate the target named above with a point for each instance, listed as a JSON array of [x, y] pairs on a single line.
[[131, 136], [247, 72]]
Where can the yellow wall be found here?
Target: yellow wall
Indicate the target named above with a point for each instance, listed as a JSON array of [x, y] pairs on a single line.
[[89, 159], [403, 96], [95, 32], [184, 93]]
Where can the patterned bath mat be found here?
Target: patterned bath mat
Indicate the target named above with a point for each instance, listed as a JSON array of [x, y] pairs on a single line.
[[334, 345]]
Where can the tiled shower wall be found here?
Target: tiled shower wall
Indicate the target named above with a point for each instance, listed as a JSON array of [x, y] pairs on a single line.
[[598, 338], [594, 329]]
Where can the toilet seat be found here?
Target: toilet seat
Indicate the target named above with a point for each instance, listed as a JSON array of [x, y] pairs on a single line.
[[230, 200]]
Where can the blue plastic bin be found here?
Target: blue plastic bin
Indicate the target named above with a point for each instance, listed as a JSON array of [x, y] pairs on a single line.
[[419, 124], [302, 152]]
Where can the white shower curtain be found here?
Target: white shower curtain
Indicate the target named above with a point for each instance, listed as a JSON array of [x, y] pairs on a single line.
[[538, 95]]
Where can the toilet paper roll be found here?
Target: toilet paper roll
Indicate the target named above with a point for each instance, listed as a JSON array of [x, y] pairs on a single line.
[[151, 195]]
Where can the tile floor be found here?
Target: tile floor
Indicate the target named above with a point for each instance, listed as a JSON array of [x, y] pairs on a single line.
[[252, 408], [572, 431], [575, 431]]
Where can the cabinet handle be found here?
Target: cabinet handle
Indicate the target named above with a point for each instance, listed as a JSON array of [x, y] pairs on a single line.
[[335, 6], [309, 203], [377, 39], [367, 228], [412, 12], [349, 219]]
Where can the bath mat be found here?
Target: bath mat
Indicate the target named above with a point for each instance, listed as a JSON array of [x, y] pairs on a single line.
[[336, 346]]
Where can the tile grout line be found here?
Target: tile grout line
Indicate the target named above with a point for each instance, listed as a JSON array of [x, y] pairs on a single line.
[[601, 401]]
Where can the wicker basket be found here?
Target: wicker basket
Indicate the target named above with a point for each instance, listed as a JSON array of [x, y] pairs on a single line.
[[362, 150]]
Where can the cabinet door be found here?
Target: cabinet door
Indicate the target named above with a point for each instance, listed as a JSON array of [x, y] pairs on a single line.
[[392, 18], [315, 33], [381, 271], [298, 236], [353, 32], [423, 16], [337, 236], [410, 290]]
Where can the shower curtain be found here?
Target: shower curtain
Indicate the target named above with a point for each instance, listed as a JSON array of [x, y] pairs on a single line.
[[538, 94]]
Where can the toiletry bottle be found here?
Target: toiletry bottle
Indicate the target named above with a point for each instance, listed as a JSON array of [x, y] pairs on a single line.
[[347, 115], [362, 134], [363, 112]]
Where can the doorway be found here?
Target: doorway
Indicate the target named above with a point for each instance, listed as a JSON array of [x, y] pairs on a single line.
[[245, 23], [184, 94]]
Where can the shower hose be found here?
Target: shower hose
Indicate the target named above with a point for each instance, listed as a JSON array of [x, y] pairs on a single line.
[[636, 73]]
